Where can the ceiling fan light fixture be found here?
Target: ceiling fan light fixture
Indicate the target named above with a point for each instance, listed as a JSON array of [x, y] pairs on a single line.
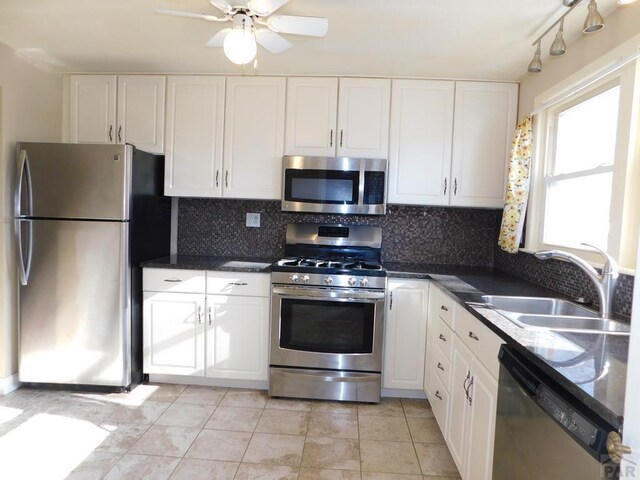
[[558, 47], [594, 20], [535, 66], [240, 43]]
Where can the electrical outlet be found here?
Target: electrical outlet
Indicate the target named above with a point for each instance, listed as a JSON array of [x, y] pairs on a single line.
[[253, 219]]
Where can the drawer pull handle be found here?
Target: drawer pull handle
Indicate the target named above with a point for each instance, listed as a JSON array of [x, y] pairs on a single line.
[[440, 366], [442, 307], [172, 280], [438, 394], [199, 314], [442, 337], [474, 336], [237, 284]]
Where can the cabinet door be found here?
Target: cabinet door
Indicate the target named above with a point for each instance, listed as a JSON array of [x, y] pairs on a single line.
[[93, 109], [485, 119], [405, 334], [237, 337], [254, 137], [141, 111], [482, 423], [193, 161], [173, 333], [457, 427], [420, 142], [363, 117], [312, 105]]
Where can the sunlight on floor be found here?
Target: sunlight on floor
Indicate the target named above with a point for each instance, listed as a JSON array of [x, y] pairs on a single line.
[[134, 398], [7, 414]]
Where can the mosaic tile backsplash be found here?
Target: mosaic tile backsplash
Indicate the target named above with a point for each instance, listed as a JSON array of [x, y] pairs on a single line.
[[411, 234], [563, 277]]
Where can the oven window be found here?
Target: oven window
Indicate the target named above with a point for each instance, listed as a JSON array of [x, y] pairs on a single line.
[[327, 326], [321, 186]]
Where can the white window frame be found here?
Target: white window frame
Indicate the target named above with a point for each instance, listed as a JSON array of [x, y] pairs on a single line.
[[624, 211]]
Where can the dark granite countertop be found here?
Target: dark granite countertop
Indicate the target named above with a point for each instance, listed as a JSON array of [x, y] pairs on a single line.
[[591, 367]]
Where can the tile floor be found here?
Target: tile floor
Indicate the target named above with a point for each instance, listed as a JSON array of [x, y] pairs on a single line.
[[190, 432]]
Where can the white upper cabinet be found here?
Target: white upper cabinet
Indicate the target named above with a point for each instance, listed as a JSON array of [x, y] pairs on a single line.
[[312, 105], [195, 122], [92, 108], [254, 137], [118, 109], [140, 116], [485, 118], [363, 118], [420, 142]]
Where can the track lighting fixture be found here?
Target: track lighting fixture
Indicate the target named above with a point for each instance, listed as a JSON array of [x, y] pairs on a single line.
[[593, 23]]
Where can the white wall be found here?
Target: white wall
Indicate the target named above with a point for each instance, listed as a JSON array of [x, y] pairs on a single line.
[[31, 110]]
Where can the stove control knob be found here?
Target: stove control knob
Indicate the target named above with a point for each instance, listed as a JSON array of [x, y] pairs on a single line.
[[364, 282], [328, 280], [351, 282], [294, 278], [305, 279]]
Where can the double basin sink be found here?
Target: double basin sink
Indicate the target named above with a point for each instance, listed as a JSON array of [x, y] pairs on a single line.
[[553, 314]]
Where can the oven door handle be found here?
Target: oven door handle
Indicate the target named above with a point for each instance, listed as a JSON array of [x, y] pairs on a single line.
[[328, 294], [335, 377]]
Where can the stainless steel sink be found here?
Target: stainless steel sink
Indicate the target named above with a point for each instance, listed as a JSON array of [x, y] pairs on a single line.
[[542, 313]]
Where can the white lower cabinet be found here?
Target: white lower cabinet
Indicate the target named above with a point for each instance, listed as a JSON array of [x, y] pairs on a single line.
[[223, 335], [405, 334]]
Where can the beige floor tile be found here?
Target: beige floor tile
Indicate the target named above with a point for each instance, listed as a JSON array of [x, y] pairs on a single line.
[[390, 429], [388, 407], [219, 445], [245, 398], [234, 418], [425, 430], [194, 469], [273, 449], [333, 453], [147, 467], [436, 460], [326, 474], [122, 436], [252, 471], [90, 410], [283, 421], [289, 404], [414, 407], [95, 466], [388, 457], [166, 392], [146, 413], [202, 395], [389, 476], [186, 415], [334, 407], [333, 425], [167, 441]]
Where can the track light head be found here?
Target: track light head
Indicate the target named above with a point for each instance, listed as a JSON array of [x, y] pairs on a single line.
[[594, 20], [535, 66], [558, 47]]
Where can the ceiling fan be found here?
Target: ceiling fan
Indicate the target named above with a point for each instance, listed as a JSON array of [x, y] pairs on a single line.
[[253, 22]]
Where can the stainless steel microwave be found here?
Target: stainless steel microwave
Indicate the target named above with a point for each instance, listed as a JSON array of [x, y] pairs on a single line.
[[334, 185]]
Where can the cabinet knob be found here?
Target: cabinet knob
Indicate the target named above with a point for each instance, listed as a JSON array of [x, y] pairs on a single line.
[[331, 138], [226, 179], [341, 136], [437, 394], [442, 307], [442, 337], [217, 178], [440, 366], [120, 134], [445, 187], [209, 315], [474, 336], [110, 133], [199, 314]]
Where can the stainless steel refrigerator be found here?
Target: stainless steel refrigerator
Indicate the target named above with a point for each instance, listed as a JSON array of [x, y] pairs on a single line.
[[86, 216]]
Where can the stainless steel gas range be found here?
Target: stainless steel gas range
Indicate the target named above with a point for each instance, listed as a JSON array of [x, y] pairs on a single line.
[[327, 316]]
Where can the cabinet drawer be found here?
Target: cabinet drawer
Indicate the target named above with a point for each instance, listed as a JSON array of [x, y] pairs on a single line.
[[482, 342], [442, 366], [173, 280], [444, 307], [239, 283], [443, 337], [440, 404]]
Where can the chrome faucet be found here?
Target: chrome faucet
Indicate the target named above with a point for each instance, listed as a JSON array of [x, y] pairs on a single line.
[[605, 282]]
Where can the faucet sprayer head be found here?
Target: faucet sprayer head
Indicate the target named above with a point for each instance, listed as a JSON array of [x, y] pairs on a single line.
[[543, 254]]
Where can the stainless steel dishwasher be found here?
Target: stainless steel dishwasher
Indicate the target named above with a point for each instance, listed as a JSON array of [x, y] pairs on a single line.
[[542, 431]]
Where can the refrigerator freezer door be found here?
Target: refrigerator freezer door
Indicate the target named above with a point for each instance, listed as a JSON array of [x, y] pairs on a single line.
[[63, 180], [75, 325]]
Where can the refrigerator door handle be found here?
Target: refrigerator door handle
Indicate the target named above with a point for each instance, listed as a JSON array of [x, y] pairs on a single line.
[[24, 173], [25, 267]]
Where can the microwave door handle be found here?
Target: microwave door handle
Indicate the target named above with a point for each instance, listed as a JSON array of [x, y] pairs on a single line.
[[361, 184]]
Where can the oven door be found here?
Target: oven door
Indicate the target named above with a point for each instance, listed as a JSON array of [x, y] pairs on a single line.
[[340, 329]]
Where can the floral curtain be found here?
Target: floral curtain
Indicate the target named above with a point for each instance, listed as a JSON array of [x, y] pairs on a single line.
[[517, 195]]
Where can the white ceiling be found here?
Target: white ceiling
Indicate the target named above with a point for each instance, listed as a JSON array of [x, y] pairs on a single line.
[[479, 39]]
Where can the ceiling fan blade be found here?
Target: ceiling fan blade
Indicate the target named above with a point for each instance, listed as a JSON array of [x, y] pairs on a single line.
[[203, 16], [311, 26], [221, 5], [218, 39], [272, 41], [265, 7]]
